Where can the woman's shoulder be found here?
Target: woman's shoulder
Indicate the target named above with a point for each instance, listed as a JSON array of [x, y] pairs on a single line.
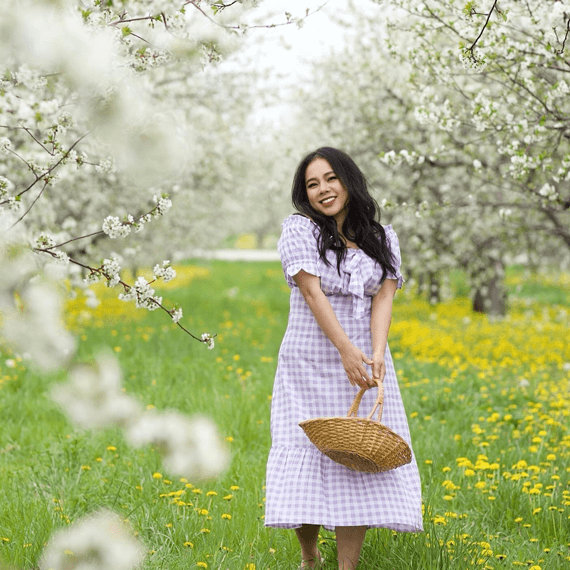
[[390, 232], [298, 221]]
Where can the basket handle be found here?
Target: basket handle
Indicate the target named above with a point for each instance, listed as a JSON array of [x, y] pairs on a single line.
[[379, 404]]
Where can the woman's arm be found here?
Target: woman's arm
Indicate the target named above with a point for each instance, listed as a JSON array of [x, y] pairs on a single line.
[[352, 357], [380, 325]]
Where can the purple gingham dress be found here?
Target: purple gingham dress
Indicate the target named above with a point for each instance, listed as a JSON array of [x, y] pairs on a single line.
[[303, 486]]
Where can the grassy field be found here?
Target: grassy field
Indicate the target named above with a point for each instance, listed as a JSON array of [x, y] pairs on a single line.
[[488, 404]]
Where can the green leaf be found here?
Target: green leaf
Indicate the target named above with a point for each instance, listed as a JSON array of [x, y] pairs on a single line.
[[86, 13], [469, 8], [126, 31]]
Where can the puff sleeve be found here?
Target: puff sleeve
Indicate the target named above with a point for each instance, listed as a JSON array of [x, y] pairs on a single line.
[[394, 245], [297, 248]]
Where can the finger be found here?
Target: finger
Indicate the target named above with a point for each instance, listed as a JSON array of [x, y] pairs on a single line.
[[367, 360]]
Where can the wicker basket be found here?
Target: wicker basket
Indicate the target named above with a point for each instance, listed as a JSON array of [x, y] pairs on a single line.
[[361, 444]]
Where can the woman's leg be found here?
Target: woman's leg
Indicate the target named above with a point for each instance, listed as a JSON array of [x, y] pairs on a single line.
[[307, 535], [349, 541]]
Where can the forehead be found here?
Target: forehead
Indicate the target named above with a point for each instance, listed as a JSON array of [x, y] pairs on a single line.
[[317, 168]]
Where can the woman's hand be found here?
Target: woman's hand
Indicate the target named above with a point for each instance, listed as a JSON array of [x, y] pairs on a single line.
[[352, 360], [378, 367]]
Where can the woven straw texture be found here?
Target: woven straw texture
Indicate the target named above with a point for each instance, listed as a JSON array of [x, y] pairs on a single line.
[[361, 444]]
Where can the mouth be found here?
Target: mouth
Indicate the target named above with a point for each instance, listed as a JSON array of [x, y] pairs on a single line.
[[327, 200]]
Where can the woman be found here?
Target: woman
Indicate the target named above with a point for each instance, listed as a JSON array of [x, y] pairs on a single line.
[[343, 269]]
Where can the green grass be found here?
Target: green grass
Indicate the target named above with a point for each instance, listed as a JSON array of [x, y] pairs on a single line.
[[52, 473]]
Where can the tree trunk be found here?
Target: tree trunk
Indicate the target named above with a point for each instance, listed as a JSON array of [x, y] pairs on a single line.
[[490, 295], [434, 292]]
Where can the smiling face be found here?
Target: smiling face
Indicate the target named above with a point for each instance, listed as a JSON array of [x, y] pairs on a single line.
[[325, 191]]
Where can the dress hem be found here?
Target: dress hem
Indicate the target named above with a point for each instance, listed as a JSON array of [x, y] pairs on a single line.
[[397, 527]]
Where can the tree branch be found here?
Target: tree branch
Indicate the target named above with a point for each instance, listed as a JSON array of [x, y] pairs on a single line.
[[470, 49], [126, 288]]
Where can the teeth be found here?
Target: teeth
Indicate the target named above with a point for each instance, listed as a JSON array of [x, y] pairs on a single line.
[[327, 200]]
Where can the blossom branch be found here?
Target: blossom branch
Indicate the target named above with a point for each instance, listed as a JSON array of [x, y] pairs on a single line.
[[31, 205], [52, 168], [140, 292], [561, 50], [472, 47]]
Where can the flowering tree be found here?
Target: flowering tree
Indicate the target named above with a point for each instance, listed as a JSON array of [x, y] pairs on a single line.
[[468, 109], [105, 115]]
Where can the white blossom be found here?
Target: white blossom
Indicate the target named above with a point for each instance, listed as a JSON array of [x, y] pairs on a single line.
[[91, 299], [549, 192], [207, 338], [61, 258], [5, 144], [93, 397], [143, 294], [5, 185], [100, 541], [163, 204], [176, 315], [111, 269], [93, 277], [105, 165], [166, 272], [114, 228], [191, 447], [38, 328], [44, 241], [14, 204]]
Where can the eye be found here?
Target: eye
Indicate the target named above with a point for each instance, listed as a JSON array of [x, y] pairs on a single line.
[[332, 178], [311, 184]]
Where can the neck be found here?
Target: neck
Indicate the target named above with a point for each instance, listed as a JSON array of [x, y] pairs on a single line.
[[339, 218]]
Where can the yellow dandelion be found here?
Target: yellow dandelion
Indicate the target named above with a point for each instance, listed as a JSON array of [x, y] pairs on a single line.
[[227, 516], [234, 488], [204, 530], [111, 448], [228, 497], [211, 494], [157, 475], [201, 565], [189, 544]]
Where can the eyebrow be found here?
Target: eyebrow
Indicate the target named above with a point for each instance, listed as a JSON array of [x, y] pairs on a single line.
[[325, 174]]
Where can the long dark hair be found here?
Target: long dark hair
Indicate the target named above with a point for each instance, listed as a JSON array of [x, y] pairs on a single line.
[[362, 223]]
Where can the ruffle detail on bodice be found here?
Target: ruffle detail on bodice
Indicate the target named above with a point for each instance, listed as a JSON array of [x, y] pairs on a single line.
[[355, 286]]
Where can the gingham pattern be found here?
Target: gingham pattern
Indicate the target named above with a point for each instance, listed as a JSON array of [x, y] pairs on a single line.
[[303, 486]]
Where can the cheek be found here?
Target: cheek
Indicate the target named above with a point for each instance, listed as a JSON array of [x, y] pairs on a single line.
[[312, 199]]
